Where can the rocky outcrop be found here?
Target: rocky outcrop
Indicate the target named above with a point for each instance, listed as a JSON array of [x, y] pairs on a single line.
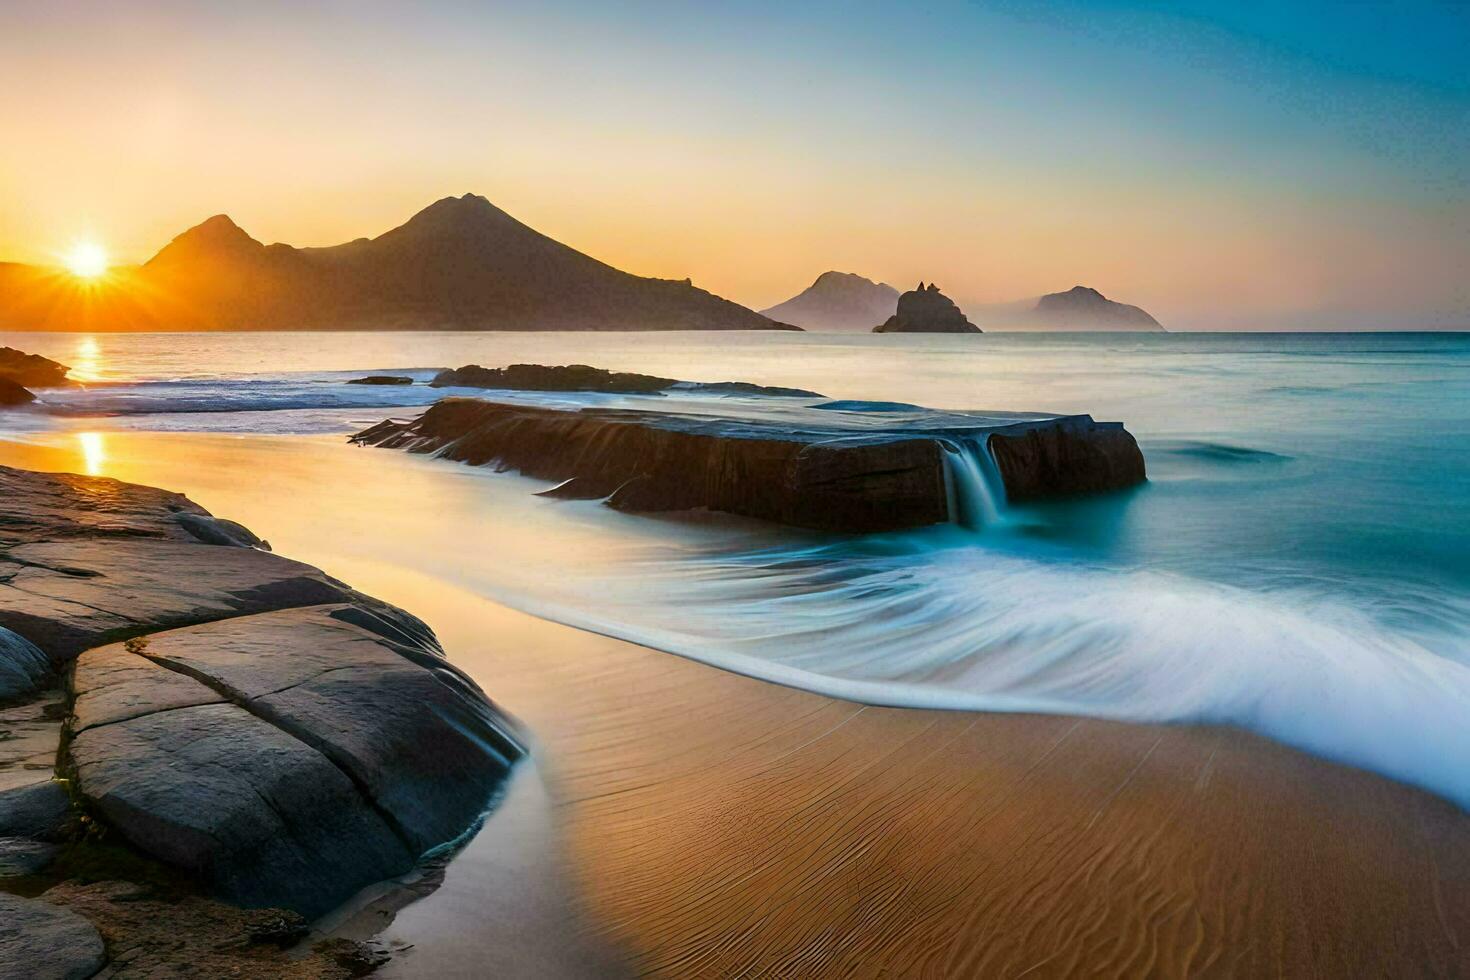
[[31, 370], [926, 310], [246, 720], [838, 301], [382, 379], [87, 560], [369, 752], [39, 941], [821, 475], [12, 394], [645, 462]]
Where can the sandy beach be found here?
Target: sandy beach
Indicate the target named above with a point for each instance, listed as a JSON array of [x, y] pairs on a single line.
[[707, 824], [722, 826]]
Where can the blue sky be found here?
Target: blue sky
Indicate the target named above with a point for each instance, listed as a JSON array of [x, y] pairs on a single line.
[[1221, 164]]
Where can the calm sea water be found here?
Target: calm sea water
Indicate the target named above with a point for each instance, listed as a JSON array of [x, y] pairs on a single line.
[[1298, 564]]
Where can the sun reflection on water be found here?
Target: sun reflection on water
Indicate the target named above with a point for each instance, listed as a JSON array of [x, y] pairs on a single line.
[[94, 452], [86, 360]]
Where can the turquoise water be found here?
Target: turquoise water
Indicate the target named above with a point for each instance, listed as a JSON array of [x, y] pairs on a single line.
[[1298, 564]]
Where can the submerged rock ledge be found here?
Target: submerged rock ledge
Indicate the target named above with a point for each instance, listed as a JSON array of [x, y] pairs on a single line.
[[246, 720], [582, 377], [842, 469]]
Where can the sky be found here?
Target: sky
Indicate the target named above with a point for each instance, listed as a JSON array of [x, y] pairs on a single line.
[[1230, 166]]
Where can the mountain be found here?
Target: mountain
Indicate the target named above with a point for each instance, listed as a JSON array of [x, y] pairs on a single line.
[[926, 310], [838, 301], [1079, 308], [843, 301], [459, 264]]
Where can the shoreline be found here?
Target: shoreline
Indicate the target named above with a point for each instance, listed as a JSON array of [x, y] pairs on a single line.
[[717, 823], [713, 823]]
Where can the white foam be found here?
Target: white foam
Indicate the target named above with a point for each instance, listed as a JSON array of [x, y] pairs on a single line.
[[973, 628]]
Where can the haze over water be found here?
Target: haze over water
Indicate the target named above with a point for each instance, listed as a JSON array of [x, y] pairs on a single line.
[[1298, 564]]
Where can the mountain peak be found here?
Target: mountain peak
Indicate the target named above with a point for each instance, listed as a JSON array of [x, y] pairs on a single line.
[[466, 204], [220, 227], [838, 301], [454, 214], [847, 278], [460, 263], [218, 235], [1085, 307]]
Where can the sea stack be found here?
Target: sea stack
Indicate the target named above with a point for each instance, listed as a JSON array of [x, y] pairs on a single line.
[[926, 310]]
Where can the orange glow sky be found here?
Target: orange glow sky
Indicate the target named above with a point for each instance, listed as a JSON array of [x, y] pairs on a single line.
[[1217, 173]]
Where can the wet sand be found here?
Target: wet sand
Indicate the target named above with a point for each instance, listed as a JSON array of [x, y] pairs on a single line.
[[713, 825], [722, 826]]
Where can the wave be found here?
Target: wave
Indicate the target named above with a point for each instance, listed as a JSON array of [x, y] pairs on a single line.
[[229, 395], [946, 624], [1218, 452], [853, 405]]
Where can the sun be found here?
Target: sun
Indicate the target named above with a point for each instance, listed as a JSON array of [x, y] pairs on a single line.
[[86, 260]]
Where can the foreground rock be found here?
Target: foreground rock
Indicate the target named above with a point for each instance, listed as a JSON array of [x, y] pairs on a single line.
[[13, 394], [88, 560], [840, 471], [288, 757], [39, 941], [926, 310], [263, 729], [31, 370], [23, 667], [582, 377], [154, 930]]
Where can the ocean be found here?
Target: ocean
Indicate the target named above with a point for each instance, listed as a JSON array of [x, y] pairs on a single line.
[[1298, 563]]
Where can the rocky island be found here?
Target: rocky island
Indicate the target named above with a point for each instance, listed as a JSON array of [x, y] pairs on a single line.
[[1080, 308], [926, 310], [843, 301], [186, 707]]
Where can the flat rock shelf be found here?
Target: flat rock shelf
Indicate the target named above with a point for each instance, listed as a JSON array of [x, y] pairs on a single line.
[[835, 466]]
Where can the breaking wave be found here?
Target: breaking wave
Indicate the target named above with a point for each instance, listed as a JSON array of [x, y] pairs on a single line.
[[933, 620]]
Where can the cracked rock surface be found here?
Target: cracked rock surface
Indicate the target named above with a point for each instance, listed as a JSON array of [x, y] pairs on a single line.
[[245, 719]]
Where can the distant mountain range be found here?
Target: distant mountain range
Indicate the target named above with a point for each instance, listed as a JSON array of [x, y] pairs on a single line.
[[838, 301], [844, 301], [459, 264]]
